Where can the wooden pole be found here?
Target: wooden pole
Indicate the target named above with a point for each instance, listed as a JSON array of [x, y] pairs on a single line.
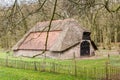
[[75, 67]]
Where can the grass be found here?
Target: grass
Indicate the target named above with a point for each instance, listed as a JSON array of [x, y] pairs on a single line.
[[100, 62], [90, 65], [85, 62], [20, 74], [115, 60]]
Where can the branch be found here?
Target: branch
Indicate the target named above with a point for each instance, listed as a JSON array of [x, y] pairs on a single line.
[[31, 13], [49, 27], [108, 9]]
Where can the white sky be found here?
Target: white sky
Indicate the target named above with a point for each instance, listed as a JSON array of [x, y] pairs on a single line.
[[10, 2]]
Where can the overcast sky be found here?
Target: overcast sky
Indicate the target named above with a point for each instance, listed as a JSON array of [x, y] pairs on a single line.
[[10, 2]]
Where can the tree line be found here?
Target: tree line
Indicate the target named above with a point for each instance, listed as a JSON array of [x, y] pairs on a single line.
[[101, 17]]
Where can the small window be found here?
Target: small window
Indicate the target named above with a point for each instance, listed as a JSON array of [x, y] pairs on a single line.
[[86, 36]]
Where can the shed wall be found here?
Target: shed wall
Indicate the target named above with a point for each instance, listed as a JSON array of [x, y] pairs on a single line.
[[65, 55], [69, 54]]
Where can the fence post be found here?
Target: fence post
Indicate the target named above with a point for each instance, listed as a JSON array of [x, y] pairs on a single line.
[[35, 66], [53, 66], [107, 74], [7, 54], [95, 72], [107, 67], [75, 67], [6, 61]]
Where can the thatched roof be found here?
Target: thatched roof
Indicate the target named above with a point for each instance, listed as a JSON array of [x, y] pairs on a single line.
[[70, 33]]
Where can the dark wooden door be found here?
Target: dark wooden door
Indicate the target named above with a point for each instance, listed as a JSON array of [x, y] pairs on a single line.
[[85, 48]]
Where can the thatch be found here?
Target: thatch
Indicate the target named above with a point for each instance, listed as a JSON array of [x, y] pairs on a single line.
[[37, 40], [71, 33]]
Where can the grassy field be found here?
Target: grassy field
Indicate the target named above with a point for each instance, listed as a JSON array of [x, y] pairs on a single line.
[[100, 62], [90, 66], [86, 62], [20, 74]]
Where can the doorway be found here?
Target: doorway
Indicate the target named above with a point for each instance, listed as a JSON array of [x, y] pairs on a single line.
[[85, 48]]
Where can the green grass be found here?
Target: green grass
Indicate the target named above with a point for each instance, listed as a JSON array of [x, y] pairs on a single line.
[[89, 63], [85, 62], [91, 66], [19, 74]]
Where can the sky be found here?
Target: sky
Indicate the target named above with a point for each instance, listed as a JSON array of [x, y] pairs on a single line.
[[10, 2]]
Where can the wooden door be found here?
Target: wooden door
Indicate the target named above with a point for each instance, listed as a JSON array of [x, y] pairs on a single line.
[[85, 48]]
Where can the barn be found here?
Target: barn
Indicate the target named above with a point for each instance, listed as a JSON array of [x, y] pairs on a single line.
[[67, 39]]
